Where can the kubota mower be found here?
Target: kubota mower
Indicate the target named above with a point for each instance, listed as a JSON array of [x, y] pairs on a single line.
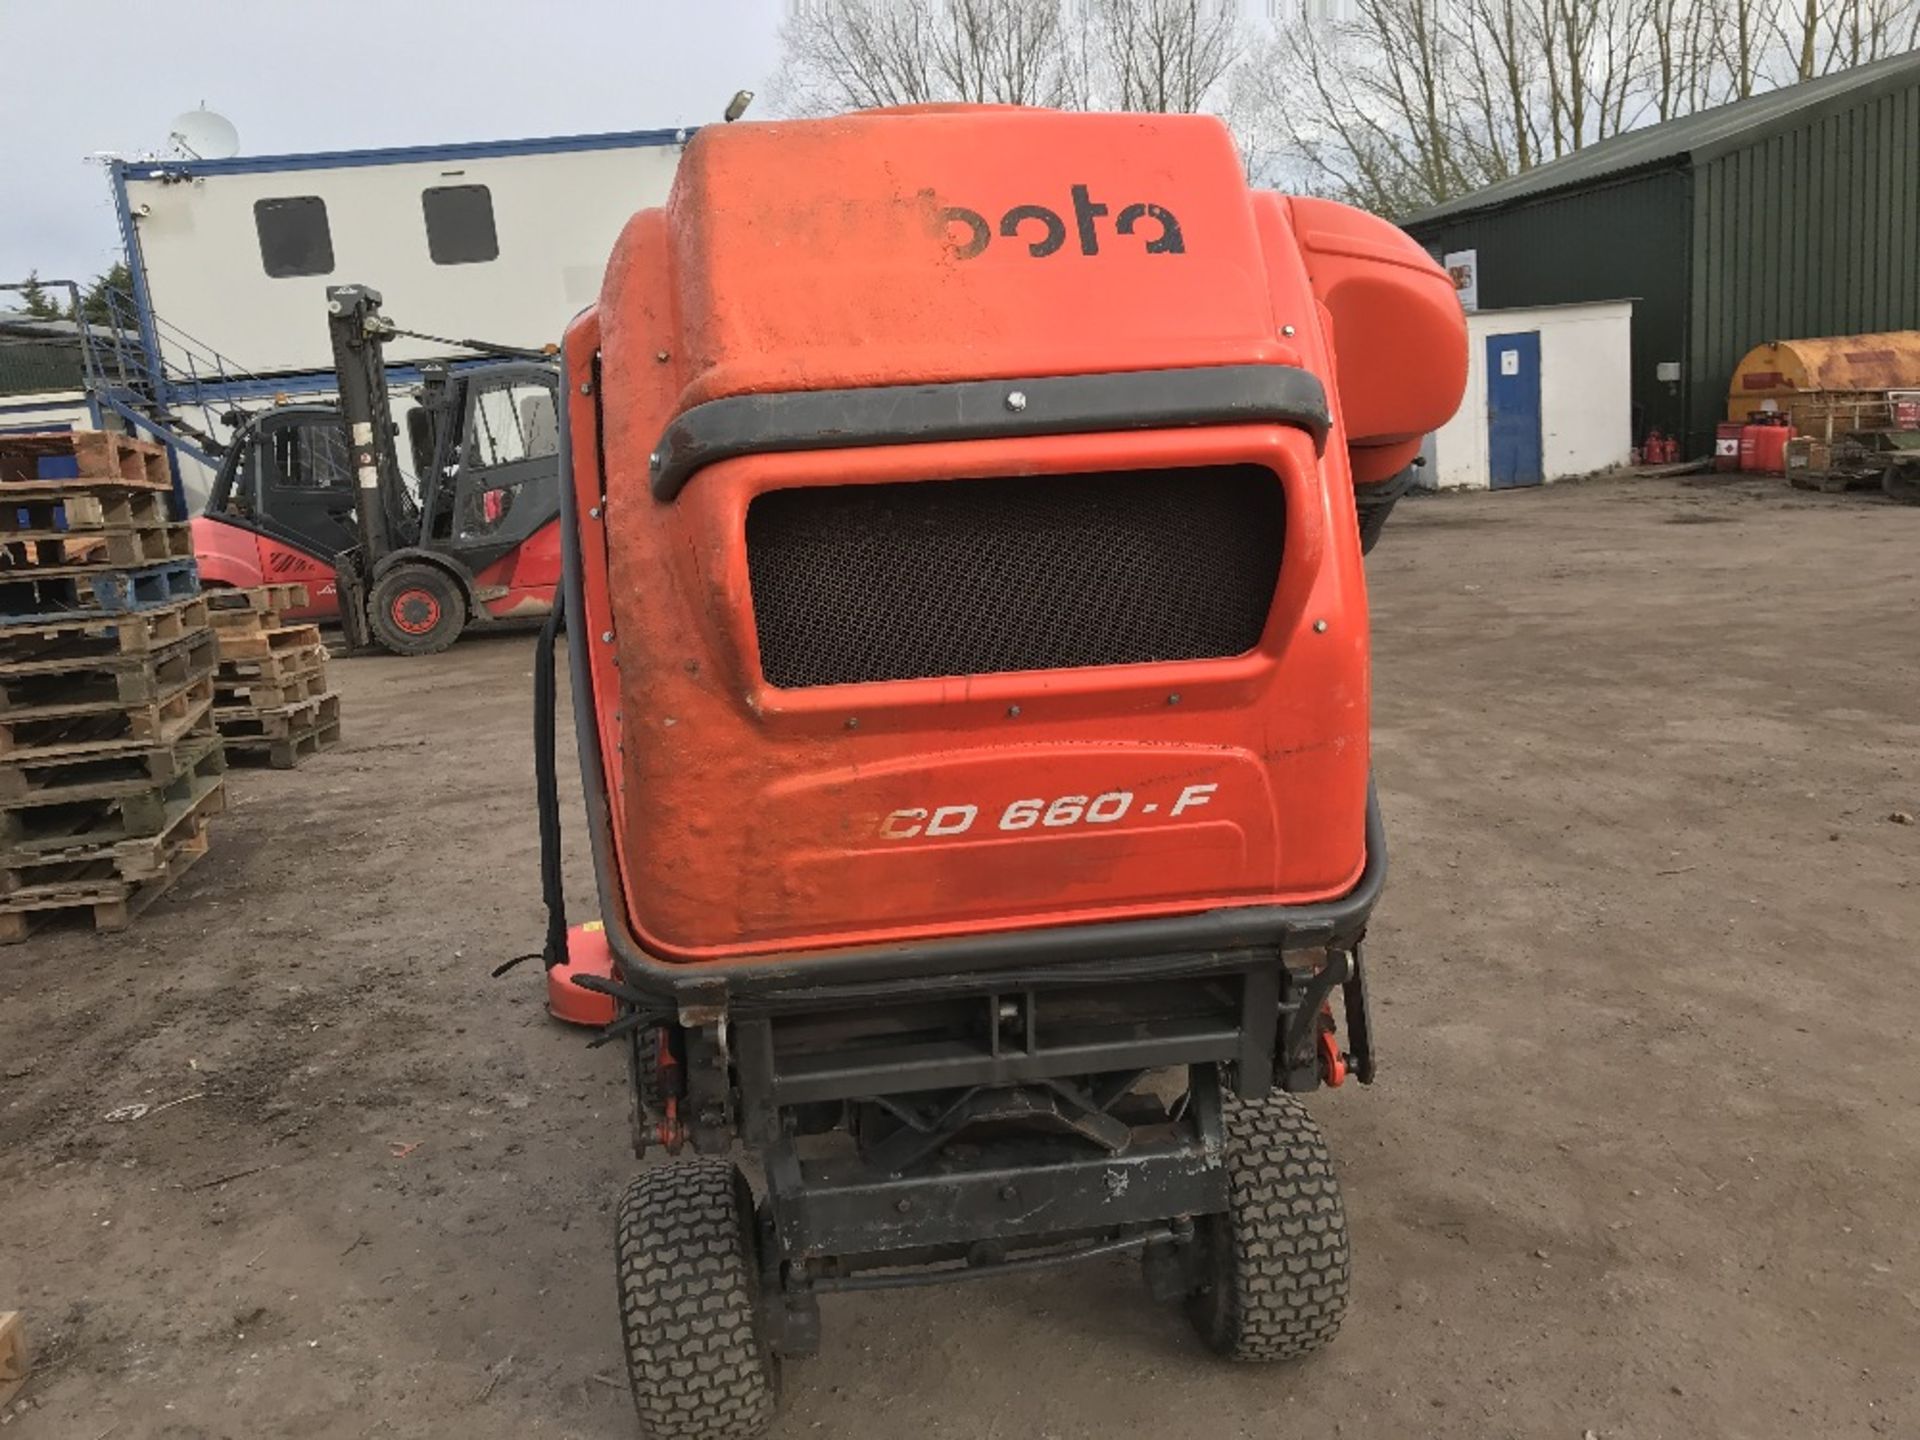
[[968, 644]]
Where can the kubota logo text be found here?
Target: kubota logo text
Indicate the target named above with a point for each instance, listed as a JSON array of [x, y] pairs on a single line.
[[1044, 231]]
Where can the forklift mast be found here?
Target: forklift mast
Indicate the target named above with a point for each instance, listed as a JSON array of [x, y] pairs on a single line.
[[359, 333]]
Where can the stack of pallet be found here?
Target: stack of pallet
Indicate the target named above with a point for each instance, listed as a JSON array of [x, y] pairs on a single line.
[[110, 766], [271, 698]]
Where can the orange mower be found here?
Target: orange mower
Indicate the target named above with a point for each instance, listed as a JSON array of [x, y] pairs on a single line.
[[962, 521]]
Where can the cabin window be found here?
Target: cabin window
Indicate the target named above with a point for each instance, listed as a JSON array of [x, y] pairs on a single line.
[[460, 224], [512, 422], [309, 457], [294, 238]]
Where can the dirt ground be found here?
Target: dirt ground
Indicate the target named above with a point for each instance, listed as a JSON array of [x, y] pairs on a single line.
[[1643, 1159]]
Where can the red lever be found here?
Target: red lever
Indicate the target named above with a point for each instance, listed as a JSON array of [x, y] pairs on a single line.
[[1333, 1065]]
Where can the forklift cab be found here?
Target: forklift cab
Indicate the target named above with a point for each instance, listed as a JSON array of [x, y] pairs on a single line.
[[490, 480], [289, 475]]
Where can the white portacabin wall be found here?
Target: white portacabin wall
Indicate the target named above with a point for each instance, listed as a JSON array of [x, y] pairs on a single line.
[[556, 214], [1586, 394]]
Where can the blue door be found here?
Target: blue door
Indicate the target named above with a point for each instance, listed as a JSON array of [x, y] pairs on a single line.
[[1513, 410]]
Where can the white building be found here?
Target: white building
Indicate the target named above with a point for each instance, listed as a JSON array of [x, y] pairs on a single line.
[[1549, 396], [498, 240], [502, 241]]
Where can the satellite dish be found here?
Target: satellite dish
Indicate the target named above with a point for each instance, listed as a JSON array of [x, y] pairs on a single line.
[[203, 135]]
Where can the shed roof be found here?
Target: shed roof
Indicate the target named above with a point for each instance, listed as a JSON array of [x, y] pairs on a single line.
[[1694, 138]]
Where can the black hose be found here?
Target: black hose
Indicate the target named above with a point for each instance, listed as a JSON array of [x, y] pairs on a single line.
[[546, 786], [1375, 502]]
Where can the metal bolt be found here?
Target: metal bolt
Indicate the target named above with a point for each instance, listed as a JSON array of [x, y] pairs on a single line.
[[1287, 330], [903, 1206], [1017, 400], [1013, 712], [607, 635], [1173, 699], [1007, 1192], [653, 461], [1319, 627], [661, 356], [853, 722], [586, 387], [594, 512]]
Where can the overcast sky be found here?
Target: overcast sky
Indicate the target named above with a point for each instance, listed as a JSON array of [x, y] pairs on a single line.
[[80, 76]]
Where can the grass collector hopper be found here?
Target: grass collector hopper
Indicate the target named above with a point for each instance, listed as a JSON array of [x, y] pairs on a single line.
[[963, 515]]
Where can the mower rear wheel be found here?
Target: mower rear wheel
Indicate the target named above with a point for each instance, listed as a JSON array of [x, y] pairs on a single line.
[[1277, 1263], [697, 1353], [417, 610]]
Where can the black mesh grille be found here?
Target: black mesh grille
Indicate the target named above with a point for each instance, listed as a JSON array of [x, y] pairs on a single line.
[[857, 583]]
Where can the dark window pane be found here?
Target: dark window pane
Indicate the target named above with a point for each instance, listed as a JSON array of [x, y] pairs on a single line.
[[310, 457], [460, 224], [294, 239]]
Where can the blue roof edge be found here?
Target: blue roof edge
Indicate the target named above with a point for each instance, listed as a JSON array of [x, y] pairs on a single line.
[[407, 154]]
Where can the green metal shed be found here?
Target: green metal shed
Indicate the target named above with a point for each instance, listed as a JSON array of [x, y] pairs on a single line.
[[1794, 213]]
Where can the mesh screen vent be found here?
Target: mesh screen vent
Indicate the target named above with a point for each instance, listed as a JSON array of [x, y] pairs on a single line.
[[860, 583]]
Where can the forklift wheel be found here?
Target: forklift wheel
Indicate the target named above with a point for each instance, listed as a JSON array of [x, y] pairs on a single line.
[[697, 1353], [1277, 1262], [417, 610]]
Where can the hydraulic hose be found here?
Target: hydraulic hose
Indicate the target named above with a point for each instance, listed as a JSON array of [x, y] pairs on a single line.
[[546, 784]]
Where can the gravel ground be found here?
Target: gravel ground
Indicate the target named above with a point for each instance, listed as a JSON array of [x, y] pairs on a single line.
[[1642, 1161]]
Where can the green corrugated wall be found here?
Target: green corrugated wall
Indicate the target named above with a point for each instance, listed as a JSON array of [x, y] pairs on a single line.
[[1623, 238], [1812, 232]]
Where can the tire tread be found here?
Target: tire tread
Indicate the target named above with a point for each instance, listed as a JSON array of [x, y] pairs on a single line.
[[1280, 1287], [697, 1364]]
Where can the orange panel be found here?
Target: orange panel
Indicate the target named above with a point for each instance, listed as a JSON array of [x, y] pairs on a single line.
[[953, 245]]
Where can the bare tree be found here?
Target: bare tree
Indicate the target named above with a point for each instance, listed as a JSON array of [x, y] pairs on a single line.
[[1004, 52], [1391, 104], [1680, 37], [853, 54], [1165, 55], [1745, 30], [1858, 32]]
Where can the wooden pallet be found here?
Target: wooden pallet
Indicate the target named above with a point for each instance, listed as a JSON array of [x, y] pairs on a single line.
[[96, 454], [48, 595], [276, 668], [70, 507], [66, 639], [52, 821], [264, 607], [257, 598], [231, 696], [58, 733], [61, 679], [56, 779], [43, 550], [287, 751], [268, 643], [281, 721], [142, 858], [110, 904]]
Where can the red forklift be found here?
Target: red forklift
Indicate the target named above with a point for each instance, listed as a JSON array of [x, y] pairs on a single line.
[[470, 536]]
